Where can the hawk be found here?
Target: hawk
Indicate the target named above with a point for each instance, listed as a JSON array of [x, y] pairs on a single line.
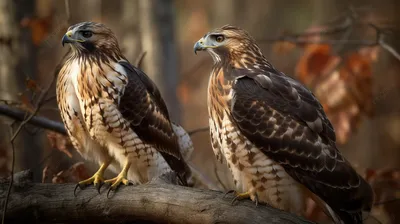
[[114, 113], [274, 134]]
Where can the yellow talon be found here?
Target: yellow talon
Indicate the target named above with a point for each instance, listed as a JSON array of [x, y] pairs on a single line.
[[245, 195], [121, 178], [97, 179], [116, 181]]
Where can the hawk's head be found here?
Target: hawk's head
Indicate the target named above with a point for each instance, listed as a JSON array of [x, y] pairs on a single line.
[[90, 37], [228, 43]]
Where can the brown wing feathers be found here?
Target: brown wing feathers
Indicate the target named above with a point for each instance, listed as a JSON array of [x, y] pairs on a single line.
[[286, 131], [143, 106]]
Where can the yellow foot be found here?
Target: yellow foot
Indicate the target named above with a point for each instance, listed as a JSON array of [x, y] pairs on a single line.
[[97, 179], [121, 178], [116, 182], [241, 196]]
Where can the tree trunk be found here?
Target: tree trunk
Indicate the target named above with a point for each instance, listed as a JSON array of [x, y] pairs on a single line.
[[17, 62], [131, 44], [8, 63], [158, 40]]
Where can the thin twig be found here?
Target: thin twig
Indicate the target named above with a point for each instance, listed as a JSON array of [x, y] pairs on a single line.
[[218, 178], [347, 26], [192, 132], [50, 98], [386, 201], [389, 49], [38, 121], [380, 34], [201, 178], [366, 43], [51, 154], [139, 60], [11, 180], [27, 120], [39, 103]]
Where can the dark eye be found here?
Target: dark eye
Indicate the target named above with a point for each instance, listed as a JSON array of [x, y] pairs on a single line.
[[219, 38], [87, 34]]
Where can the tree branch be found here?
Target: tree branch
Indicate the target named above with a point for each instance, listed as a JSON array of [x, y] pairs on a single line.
[[349, 21], [42, 122], [157, 202], [139, 60]]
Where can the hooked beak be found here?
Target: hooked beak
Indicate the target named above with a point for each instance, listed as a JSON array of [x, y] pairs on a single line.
[[67, 38], [201, 45], [198, 46]]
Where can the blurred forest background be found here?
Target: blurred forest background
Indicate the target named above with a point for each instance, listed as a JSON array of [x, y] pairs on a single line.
[[345, 51]]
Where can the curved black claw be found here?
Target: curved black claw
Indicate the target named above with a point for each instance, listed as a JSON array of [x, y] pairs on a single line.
[[109, 190], [242, 196], [229, 192], [80, 187], [98, 186], [236, 198]]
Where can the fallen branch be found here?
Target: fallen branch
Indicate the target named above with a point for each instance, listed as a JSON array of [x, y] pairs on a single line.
[[157, 202]]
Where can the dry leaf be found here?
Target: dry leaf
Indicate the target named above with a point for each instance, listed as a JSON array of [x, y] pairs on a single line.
[[183, 92], [316, 61], [74, 174], [283, 47], [386, 185], [60, 142], [26, 103], [40, 28], [32, 85], [343, 85]]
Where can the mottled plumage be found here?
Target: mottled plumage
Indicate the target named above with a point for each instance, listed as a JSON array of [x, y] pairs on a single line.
[[274, 134], [114, 113]]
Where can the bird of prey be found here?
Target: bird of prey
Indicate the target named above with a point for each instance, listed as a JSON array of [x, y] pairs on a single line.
[[274, 134], [114, 113]]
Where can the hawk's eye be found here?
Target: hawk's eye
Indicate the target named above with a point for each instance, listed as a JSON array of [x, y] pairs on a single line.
[[87, 34], [219, 38]]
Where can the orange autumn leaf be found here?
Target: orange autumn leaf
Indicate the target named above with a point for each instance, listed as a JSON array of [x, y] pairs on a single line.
[[32, 85], [60, 142], [183, 92], [317, 60], [386, 185], [343, 84], [26, 103], [75, 173], [40, 28], [283, 47]]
